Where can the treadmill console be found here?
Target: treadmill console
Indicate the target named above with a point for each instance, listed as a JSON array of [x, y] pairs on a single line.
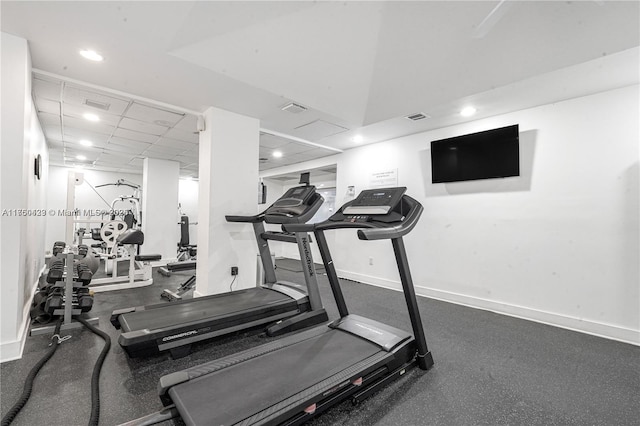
[[294, 197], [297, 205], [374, 202]]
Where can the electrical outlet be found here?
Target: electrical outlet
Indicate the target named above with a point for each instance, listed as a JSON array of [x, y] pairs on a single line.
[[371, 261], [234, 270]]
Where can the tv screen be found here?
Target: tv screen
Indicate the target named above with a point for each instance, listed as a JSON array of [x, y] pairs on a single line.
[[483, 155]]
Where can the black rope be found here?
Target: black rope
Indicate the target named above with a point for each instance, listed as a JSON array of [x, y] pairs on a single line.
[[95, 378], [28, 385]]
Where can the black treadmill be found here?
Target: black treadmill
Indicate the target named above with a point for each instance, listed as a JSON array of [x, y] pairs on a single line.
[[294, 378], [147, 330]]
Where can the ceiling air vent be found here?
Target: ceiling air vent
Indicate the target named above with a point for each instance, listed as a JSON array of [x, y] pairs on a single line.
[[417, 116], [294, 108], [263, 160], [95, 104]]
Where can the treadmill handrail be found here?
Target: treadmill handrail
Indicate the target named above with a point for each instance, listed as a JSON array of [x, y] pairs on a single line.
[[245, 219], [408, 223]]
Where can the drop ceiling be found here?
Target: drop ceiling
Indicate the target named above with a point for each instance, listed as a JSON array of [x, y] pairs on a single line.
[[358, 67]]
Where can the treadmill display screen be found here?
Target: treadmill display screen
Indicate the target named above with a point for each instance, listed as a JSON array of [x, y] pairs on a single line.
[[375, 201]]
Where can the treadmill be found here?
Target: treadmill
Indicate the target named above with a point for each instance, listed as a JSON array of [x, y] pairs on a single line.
[[148, 330], [288, 381]]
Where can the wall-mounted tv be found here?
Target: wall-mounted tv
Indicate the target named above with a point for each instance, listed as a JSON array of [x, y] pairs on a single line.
[[483, 155]]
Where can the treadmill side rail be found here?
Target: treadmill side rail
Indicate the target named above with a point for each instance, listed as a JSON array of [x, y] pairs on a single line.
[[383, 335]]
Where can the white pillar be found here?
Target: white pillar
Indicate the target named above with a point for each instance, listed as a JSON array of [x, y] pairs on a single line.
[[228, 177], [15, 175], [160, 207]]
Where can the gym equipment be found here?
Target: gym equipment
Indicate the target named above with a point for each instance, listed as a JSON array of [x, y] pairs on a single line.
[[175, 326], [66, 293], [290, 380], [139, 265], [186, 286], [186, 252], [133, 218]]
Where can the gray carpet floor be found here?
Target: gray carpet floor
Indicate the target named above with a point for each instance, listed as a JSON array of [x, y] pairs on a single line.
[[489, 369]]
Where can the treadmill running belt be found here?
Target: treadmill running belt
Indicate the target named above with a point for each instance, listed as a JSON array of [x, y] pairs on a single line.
[[263, 382], [226, 304]]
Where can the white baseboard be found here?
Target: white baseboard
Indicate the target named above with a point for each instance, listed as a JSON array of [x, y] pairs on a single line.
[[10, 351], [600, 329]]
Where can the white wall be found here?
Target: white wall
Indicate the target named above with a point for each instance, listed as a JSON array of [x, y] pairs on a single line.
[[558, 245], [21, 243]]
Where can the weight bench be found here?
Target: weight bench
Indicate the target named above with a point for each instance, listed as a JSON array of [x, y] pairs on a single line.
[[185, 265]]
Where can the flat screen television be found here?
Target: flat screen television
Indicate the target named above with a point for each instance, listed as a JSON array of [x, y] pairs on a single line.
[[484, 155]]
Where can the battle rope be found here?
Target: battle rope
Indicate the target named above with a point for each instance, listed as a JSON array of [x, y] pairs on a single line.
[[95, 378], [28, 385]]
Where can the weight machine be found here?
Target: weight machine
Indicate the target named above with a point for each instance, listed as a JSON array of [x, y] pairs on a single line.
[[117, 242]]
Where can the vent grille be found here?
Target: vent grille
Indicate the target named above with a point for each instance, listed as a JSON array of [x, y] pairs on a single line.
[[294, 108], [417, 116], [95, 104]]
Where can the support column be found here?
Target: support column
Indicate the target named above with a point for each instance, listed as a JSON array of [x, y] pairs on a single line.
[[228, 177], [160, 207]]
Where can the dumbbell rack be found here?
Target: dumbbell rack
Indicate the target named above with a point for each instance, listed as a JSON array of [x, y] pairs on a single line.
[[68, 311]]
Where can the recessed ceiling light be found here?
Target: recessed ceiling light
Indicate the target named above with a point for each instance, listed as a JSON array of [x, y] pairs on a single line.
[[81, 157], [86, 142], [467, 111], [91, 55], [357, 139], [277, 154], [91, 117]]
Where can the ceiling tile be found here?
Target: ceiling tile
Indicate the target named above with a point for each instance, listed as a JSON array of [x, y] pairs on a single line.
[[189, 123], [52, 132], [110, 156], [78, 97], [82, 124], [76, 135], [125, 149], [150, 114], [294, 148], [271, 141], [166, 149], [47, 106], [317, 130], [46, 89], [183, 135], [142, 127], [47, 119], [81, 148], [134, 145], [137, 162], [77, 112], [175, 143], [136, 136]]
